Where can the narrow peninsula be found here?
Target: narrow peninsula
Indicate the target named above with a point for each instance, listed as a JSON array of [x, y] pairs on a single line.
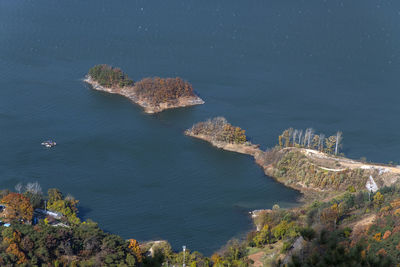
[[152, 94], [302, 160], [349, 214]]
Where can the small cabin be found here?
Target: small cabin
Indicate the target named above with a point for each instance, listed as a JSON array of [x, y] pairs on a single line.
[[48, 213]]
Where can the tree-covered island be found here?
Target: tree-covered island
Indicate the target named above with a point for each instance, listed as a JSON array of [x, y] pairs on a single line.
[[153, 94]]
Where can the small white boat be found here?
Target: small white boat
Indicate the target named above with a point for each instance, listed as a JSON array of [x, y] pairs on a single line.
[[49, 143]]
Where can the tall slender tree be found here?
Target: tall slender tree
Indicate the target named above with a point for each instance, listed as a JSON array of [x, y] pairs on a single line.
[[300, 136], [294, 137], [310, 136], [286, 136], [290, 130], [338, 140], [280, 141], [321, 142]]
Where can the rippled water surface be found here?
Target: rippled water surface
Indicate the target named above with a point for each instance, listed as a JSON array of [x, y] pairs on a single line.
[[265, 65]]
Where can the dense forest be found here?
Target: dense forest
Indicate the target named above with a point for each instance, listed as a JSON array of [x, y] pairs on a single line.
[[108, 76], [218, 129], [158, 90]]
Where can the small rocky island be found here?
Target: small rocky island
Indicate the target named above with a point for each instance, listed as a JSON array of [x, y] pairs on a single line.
[[153, 94]]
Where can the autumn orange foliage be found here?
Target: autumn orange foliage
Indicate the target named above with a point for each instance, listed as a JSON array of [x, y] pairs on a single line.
[[395, 203], [377, 237], [134, 246], [218, 129], [385, 209], [363, 254], [216, 258], [397, 212], [18, 207], [330, 215], [157, 90], [13, 247], [387, 234], [382, 252]]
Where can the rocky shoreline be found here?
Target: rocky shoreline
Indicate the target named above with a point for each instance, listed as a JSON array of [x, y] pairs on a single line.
[[129, 92], [248, 149]]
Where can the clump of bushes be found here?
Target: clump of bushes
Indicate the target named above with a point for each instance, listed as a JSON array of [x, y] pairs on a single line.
[[275, 225], [307, 233], [219, 130], [108, 76]]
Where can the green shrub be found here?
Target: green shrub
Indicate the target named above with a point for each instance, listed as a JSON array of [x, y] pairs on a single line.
[[285, 229], [307, 233], [108, 76], [351, 189], [286, 246]]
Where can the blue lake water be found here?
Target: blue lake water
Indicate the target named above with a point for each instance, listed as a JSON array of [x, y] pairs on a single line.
[[265, 65]]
